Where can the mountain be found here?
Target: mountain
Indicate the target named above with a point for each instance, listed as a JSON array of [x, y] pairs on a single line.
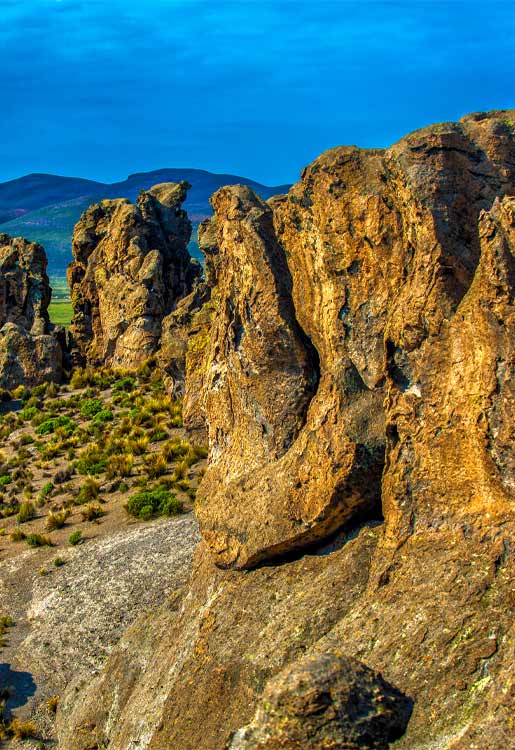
[[44, 208]]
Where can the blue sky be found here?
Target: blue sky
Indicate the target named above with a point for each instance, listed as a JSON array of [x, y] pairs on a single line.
[[102, 88]]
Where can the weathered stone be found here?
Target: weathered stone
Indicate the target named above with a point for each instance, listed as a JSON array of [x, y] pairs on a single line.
[[29, 352], [390, 275], [131, 267], [378, 249], [326, 702], [258, 388]]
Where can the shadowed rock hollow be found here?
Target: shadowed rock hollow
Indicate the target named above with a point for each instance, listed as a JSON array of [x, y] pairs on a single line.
[[353, 365], [29, 353], [131, 267]]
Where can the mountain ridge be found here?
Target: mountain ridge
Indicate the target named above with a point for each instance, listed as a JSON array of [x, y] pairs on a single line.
[[44, 207]]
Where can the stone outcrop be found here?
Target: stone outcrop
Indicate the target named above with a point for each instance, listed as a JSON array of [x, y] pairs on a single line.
[[354, 368], [326, 702], [131, 267], [30, 353], [374, 250]]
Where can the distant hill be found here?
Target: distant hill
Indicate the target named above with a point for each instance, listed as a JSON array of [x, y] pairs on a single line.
[[44, 208]]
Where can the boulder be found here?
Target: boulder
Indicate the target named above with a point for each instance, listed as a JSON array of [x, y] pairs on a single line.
[[326, 702]]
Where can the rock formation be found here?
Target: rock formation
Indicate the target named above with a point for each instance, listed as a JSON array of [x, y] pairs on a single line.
[[131, 267], [354, 368], [29, 352], [326, 702]]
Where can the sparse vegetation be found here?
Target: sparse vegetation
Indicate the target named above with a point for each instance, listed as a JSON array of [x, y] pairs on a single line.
[[110, 437], [75, 538]]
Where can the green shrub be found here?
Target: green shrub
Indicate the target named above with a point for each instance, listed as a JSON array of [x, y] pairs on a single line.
[[125, 384], [26, 513], [92, 461], [171, 506], [5, 480], [91, 407], [146, 513], [38, 540], [75, 538], [58, 562], [39, 390], [103, 416], [50, 425], [46, 490], [157, 435], [28, 413], [159, 501], [17, 535]]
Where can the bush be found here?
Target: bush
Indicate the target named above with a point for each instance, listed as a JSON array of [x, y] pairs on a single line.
[[22, 730], [159, 501], [58, 562], [91, 406], [17, 535], [174, 449], [103, 416], [75, 538], [88, 492], [56, 520], [21, 392], [50, 425], [156, 466], [26, 513], [38, 540], [28, 413], [5, 480], [125, 384], [138, 445], [46, 490], [92, 461], [157, 435], [120, 466], [146, 513], [171, 506], [92, 512]]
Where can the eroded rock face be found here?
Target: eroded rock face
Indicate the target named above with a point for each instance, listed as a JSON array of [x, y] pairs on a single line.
[[131, 267], [326, 702], [379, 248], [29, 353], [388, 280]]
